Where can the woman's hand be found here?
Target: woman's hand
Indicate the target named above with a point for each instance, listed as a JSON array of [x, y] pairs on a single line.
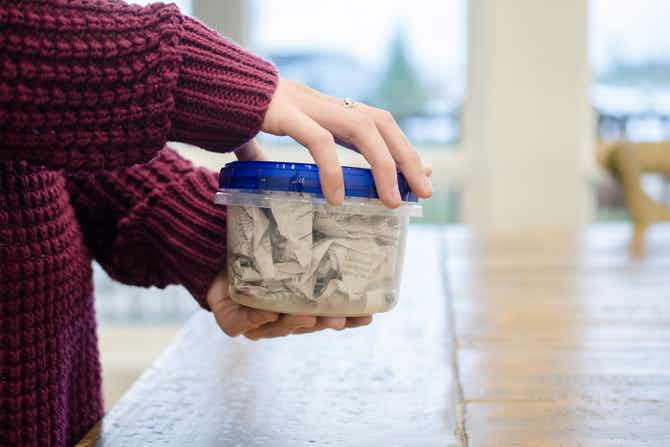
[[317, 121], [235, 319]]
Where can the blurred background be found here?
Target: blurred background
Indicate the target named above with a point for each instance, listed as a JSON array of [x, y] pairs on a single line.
[[511, 127]]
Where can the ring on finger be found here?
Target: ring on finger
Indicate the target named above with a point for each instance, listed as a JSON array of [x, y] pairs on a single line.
[[349, 103]]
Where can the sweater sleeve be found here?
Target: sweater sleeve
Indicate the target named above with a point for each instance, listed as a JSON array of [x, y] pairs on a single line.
[[153, 224], [100, 84], [222, 93]]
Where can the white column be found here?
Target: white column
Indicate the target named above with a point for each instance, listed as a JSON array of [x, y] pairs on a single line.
[[229, 17], [527, 118]]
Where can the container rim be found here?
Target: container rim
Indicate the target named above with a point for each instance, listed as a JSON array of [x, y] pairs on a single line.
[[301, 178], [351, 205]]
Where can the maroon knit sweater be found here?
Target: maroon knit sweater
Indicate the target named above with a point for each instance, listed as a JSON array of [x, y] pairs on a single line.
[[90, 91]]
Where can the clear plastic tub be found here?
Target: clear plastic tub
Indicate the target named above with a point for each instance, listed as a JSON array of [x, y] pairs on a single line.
[[291, 252]]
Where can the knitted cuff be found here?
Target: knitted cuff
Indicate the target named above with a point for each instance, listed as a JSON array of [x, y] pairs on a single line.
[[223, 91], [186, 232]]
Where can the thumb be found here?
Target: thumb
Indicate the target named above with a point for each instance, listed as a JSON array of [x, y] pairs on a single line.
[[250, 151]]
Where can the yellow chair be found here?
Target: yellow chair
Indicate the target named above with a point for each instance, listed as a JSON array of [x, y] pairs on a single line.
[[627, 162]]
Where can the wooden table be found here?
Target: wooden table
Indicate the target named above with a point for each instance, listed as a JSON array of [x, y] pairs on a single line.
[[523, 340]]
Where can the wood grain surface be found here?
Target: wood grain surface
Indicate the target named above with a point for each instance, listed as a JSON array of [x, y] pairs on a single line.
[[363, 387], [518, 340], [560, 340]]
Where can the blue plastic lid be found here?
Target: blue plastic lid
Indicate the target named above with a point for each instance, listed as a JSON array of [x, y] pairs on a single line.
[[300, 177]]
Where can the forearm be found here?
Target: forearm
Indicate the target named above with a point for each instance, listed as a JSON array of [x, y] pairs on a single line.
[[153, 224]]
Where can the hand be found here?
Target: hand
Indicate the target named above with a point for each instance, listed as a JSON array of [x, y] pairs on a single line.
[[317, 121], [235, 319]]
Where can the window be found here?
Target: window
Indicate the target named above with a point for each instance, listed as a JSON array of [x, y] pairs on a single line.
[[630, 56], [406, 57], [630, 59]]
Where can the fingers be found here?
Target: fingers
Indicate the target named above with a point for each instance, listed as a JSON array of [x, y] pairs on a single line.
[[359, 321], [321, 146], [337, 323], [316, 120], [250, 151], [291, 324], [360, 131], [285, 325], [406, 158], [234, 319]]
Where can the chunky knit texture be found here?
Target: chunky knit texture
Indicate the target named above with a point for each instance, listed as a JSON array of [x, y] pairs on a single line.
[[90, 91], [153, 224]]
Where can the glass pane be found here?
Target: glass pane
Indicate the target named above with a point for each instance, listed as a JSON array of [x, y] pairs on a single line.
[[406, 57]]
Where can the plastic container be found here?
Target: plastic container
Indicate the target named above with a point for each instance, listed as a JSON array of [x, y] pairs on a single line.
[[289, 251]]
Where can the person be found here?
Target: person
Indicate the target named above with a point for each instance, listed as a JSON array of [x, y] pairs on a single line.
[[90, 92]]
